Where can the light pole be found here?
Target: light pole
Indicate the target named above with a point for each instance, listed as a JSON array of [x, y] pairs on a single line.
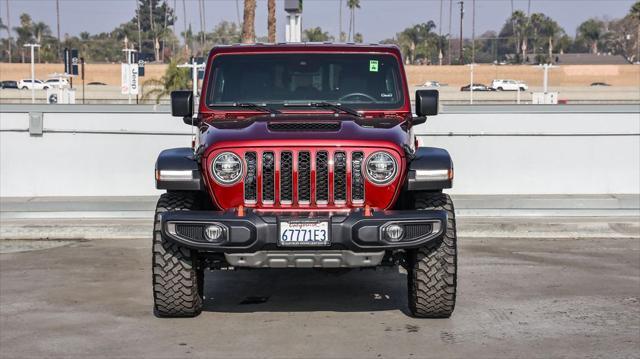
[[194, 66], [461, 59], [33, 72], [471, 65]]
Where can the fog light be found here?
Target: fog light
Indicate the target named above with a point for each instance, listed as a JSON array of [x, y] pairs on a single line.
[[394, 232], [213, 232]]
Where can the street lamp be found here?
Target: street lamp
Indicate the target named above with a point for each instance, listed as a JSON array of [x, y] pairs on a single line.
[[33, 72]]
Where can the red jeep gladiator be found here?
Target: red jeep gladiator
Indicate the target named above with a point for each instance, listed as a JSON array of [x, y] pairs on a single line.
[[305, 158]]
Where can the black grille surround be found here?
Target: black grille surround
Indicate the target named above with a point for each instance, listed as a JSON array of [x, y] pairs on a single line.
[[250, 179], [302, 178], [268, 177], [340, 177], [322, 177], [286, 177]]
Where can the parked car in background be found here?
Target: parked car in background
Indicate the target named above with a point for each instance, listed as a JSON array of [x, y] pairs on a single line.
[[58, 82], [9, 85], [508, 85], [476, 87], [598, 84], [432, 84], [28, 84]]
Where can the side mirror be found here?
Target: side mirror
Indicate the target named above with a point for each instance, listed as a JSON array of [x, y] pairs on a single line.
[[427, 102], [182, 103]]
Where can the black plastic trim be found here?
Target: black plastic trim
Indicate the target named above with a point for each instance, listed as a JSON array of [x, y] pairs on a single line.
[[433, 159], [179, 159], [259, 231]]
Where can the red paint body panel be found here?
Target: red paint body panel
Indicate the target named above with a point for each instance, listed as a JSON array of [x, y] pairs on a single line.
[[245, 130]]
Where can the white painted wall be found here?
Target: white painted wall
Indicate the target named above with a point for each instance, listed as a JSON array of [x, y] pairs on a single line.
[[556, 153], [493, 153]]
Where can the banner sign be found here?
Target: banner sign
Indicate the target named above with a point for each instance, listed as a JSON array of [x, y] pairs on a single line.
[[134, 84], [74, 62], [129, 83], [124, 80], [141, 68]]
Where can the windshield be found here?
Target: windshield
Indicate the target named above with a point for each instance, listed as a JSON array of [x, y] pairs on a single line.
[[362, 81]]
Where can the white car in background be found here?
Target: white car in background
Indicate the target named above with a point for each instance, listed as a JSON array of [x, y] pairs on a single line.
[[57, 83], [508, 85], [28, 84], [432, 84]]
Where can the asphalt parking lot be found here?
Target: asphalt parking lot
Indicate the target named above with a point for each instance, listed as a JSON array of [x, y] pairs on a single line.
[[517, 298]]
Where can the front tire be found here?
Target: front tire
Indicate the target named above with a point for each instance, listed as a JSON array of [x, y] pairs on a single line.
[[432, 270], [178, 281]]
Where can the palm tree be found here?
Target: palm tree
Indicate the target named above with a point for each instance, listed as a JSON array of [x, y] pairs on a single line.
[[40, 29], [25, 33], [414, 36], [592, 31], [271, 20], [8, 42], [352, 5], [316, 35], [248, 26], [174, 78]]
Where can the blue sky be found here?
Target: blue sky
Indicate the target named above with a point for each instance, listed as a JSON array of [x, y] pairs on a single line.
[[377, 19]]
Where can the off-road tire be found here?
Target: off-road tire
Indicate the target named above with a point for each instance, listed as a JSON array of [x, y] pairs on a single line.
[[177, 281], [432, 270]]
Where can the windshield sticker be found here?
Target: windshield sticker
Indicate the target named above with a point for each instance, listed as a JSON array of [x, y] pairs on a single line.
[[373, 65], [386, 95]]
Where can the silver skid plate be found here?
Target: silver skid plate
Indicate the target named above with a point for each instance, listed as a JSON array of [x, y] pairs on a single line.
[[305, 259]]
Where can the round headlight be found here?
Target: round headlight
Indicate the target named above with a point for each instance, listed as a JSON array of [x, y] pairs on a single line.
[[226, 168], [381, 168]]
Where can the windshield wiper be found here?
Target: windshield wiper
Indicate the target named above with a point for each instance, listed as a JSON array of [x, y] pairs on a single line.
[[250, 105], [334, 106]]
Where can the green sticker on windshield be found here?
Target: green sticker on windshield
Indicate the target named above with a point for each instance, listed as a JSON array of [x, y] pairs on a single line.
[[373, 65]]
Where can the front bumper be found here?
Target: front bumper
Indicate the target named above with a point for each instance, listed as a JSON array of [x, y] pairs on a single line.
[[259, 231]]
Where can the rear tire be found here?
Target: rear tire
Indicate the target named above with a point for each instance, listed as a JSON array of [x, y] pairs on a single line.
[[432, 270], [178, 282]]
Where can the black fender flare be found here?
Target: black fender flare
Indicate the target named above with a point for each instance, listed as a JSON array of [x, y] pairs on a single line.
[[177, 169], [431, 169]]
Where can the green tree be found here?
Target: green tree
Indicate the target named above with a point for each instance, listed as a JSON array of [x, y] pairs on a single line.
[[6, 43], [591, 31], [25, 34], [418, 42], [155, 20], [174, 78], [545, 33], [225, 33], [622, 37], [513, 36], [316, 35]]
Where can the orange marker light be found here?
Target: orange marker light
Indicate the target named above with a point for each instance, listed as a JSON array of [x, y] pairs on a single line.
[[367, 211]]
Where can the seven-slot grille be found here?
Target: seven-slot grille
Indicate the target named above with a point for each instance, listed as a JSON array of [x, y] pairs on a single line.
[[304, 178]]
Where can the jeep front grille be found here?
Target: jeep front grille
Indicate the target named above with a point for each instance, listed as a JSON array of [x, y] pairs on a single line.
[[304, 178]]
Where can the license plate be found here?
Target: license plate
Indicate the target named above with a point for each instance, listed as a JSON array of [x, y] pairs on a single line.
[[304, 233]]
